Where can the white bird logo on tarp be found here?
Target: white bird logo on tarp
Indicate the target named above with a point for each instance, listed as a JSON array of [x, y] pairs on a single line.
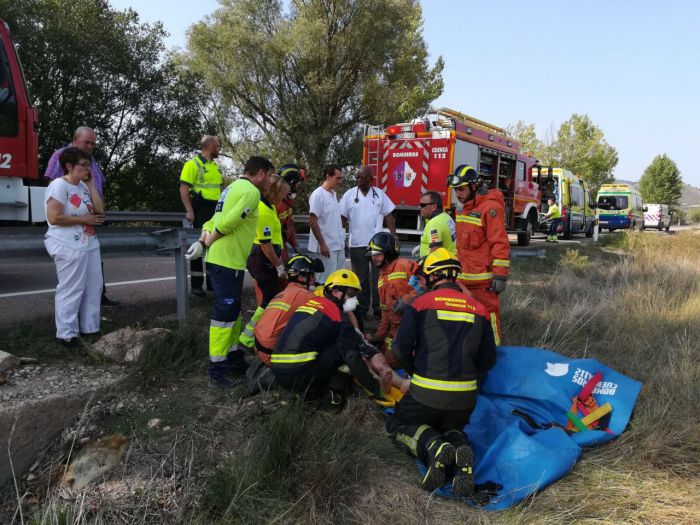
[[408, 175], [557, 369]]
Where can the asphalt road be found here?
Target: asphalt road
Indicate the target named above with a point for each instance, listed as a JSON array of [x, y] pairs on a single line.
[[27, 289]]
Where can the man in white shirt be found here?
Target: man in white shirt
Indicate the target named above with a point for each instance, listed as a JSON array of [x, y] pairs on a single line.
[[365, 209], [327, 237]]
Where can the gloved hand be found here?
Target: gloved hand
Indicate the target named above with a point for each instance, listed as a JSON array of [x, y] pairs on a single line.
[[414, 283], [498, 285], [280, 270], [194, 251], [399, 305]]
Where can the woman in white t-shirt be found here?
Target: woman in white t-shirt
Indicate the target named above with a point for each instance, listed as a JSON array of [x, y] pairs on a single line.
[[73, 208]]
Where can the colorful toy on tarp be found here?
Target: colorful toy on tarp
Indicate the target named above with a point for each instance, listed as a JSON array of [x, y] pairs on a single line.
[[518, 429]]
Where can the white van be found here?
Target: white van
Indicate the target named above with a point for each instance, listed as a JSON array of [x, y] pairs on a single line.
[[657, 216]]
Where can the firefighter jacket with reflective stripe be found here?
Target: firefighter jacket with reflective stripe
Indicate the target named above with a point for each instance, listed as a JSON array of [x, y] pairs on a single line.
[[315, 327], [203, 177], [482, 241], [445, 341], [393, 286], [439, 232], [285, 212], [278, 313], [236, 218]]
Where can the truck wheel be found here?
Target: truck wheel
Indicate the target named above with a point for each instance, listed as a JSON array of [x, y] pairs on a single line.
[[525, 237]]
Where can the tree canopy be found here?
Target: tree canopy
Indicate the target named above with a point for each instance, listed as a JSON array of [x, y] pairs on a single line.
[[579, 147], [87, 64], [299, 81], [661, 182]]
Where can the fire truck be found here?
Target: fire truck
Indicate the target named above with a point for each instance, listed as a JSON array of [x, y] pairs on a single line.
[[19, 140], [411, 158]]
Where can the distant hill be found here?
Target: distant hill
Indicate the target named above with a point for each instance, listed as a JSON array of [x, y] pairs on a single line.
[[690, 196]]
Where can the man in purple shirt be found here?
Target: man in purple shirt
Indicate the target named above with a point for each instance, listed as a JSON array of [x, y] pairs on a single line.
[[85, 139]]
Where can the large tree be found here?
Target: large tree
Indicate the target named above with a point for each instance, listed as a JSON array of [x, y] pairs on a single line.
[[87, 64], [661, 182], [581, 147], [301, 78]]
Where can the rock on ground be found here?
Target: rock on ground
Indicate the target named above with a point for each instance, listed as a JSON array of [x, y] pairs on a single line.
[[126, 344], [38, 402], [8, 361]]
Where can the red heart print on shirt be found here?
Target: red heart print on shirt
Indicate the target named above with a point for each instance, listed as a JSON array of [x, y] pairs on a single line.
[[75, 200]]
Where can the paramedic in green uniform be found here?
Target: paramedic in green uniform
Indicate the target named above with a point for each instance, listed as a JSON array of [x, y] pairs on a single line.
[[232, 232], [553, 213], [200, 189], [440, 230], [265, 262]]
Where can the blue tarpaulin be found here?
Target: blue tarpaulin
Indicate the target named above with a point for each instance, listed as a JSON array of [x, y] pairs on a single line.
[[524, 453]]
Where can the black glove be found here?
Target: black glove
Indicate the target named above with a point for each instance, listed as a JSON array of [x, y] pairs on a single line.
[[498, 284]]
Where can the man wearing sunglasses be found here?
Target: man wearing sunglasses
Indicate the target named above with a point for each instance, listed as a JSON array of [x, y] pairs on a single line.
[[439, 231], [482, 241]]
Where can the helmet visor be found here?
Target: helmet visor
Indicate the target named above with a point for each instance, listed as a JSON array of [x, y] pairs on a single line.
[[455, 181]]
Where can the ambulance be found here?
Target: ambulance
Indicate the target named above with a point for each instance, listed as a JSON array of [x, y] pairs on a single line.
[[620, 206], [411, 158], [572, 195]]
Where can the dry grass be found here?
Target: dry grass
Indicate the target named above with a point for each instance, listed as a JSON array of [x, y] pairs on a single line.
[[634, 305]]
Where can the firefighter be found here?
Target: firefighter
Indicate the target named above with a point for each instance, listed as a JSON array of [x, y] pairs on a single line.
[[319, 339], [301, 276], [200, 189], [232, 230], [439, 231], [445, 341], [394, 290], [265, 262], [293, 176], [482, 241]]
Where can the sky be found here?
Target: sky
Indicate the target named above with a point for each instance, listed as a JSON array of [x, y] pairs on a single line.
[[633, 66]]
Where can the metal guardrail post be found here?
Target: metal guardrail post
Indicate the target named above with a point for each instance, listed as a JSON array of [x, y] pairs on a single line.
[[181, 277]]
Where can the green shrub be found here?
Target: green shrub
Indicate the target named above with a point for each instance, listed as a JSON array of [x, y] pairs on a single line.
[[575, 262]]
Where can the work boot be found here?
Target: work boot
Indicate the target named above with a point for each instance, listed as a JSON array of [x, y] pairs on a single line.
[[334, 402], [218, 376], [463, 482], [439, 456], [236, 364]]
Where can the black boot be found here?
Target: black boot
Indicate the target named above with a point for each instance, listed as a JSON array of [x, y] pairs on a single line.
[[438, 459], [236, 363], [218, 376], [463, 482]]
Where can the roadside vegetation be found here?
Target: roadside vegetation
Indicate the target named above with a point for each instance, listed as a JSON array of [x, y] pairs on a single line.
[[633, 303]]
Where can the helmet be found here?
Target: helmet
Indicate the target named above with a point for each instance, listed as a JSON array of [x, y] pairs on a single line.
[[291, 174], [385, 243], [299, 264], [462, 176], [342, 279], [440, 264]]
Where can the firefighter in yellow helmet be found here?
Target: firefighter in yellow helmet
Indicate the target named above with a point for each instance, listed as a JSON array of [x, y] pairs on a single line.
[[319, 339], [429, 420]]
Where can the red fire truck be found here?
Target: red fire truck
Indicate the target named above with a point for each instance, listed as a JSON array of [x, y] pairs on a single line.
[[411, 158], [19, 140]]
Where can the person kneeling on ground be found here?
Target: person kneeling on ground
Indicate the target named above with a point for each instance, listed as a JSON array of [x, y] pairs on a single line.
[[301, 275], [429, 420], [320, 348]]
